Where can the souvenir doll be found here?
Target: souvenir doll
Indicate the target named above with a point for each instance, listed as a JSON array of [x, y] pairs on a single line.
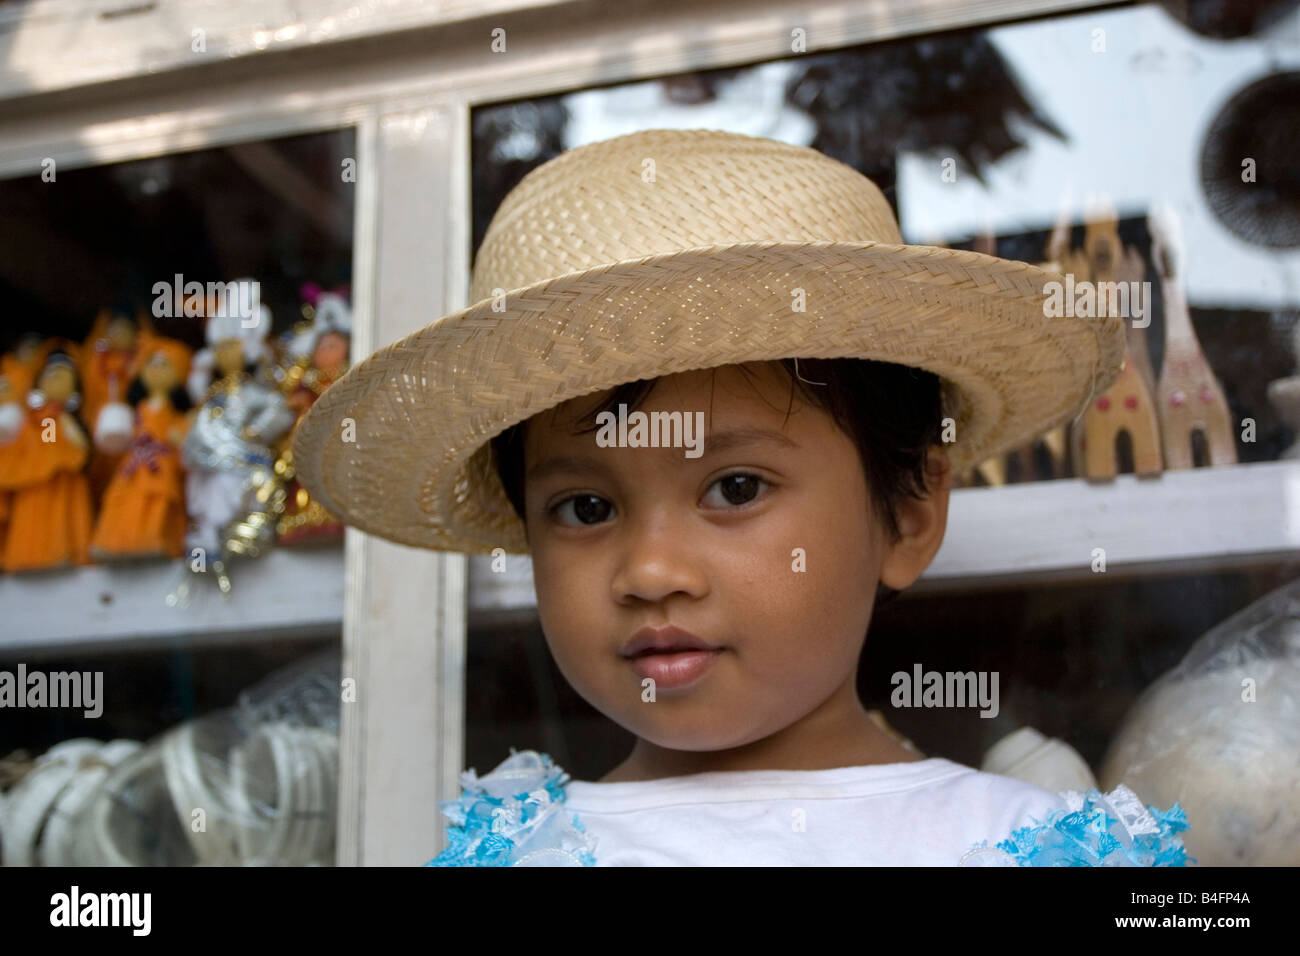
[[320, 357], [24, 363], [110, 353], [142, 513], [228, 448], [49, 509], [18, 371], [108, 356], [11, 423]]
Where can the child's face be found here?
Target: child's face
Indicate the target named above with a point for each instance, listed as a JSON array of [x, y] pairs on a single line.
[[665, 541]]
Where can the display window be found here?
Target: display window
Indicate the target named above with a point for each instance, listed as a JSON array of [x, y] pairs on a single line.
[[172, 595], [1099, 569]]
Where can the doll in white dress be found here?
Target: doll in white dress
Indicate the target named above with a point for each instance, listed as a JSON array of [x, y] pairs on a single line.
[[228, 450]]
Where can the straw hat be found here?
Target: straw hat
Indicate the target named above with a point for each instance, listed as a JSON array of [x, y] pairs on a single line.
[[665, 251]]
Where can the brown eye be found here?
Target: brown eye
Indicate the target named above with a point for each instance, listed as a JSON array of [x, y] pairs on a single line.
[[588, 509], [739, 488]]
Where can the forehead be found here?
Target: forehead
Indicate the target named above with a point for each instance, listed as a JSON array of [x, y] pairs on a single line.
[[755, 398]]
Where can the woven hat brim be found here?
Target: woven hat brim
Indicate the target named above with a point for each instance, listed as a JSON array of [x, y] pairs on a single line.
[[418, 469]]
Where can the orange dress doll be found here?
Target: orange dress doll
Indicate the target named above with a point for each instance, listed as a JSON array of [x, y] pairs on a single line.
[[108, 360], [50, 510], [18, 370], [143, 511]]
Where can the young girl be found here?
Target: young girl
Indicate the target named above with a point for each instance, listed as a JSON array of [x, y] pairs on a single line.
[[632, 297]]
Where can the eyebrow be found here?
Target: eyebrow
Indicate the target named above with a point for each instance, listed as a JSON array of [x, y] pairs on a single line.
[[714, 444]]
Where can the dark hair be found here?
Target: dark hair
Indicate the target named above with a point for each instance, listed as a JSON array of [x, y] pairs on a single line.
[[892, 412], [179, 395]]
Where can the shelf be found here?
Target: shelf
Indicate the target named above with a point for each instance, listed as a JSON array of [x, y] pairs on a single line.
[[1203, 519], [1206, 519], [287, 594], [1197, 520]]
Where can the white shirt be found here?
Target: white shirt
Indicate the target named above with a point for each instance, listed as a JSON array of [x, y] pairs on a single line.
[[924, 813]]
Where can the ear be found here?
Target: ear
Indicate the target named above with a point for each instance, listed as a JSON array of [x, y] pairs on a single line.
[[921, 526]]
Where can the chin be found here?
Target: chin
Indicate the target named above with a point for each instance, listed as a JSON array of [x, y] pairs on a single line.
[[691, 734]]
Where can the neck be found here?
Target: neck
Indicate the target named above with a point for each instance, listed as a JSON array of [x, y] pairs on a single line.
[[839, 733]]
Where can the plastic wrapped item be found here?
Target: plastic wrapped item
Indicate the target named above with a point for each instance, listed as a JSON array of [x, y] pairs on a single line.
[[59, 844], [251, 785], [1220, 734], [304, 694], [30, 802], [132, 820], [1027, 755]]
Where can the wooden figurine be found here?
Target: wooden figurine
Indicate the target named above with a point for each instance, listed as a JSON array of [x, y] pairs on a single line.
[[50, 516], [1058, 243], [1284, 395], [1190, 397], [995, 470], [143, 510], [1127, 406]]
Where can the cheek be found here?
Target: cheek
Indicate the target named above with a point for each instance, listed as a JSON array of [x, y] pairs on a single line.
[[569, 602], [810, 597]]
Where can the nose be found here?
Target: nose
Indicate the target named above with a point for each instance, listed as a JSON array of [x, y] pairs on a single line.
[[657, 560]]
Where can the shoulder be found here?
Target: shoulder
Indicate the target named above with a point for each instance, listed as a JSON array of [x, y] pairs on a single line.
[[514, 816], [989, 801]]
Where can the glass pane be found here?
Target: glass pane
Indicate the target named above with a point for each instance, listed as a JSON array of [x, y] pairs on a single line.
[[1146, 158], [174, 598]]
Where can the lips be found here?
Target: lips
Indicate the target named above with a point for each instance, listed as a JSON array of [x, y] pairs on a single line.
[[669, 656], [665, 640], [674, 670]]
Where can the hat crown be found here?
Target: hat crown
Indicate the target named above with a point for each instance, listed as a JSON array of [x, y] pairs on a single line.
[[661, 191]]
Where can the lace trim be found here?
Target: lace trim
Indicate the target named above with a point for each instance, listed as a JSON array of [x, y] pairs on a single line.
[[1095, 829], [514, 816]]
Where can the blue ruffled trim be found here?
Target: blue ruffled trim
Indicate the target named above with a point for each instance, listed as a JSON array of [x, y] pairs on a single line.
[[1095, 829], [514, 817]]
